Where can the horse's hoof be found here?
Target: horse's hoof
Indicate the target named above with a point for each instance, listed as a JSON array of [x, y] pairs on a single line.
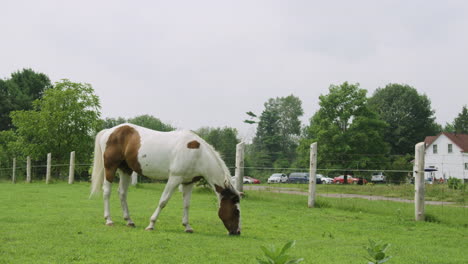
[[110, 224], [149, 228], [131, 224], [189, 231]]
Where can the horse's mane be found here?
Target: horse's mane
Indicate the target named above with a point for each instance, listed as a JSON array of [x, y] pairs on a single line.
[[219, 161]]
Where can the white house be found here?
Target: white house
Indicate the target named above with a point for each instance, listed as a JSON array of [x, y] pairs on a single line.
[[448, 153]]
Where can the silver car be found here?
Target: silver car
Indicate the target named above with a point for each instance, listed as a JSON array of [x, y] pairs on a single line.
[[278, 178], [325, 180]]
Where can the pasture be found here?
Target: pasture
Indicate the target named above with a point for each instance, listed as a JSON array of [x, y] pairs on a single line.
[[57, 223]]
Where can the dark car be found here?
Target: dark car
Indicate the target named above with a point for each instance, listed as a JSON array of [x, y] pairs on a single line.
[[301, 177]]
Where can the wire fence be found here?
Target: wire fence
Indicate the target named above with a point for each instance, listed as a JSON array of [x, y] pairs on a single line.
[[59, 172], [395, 195]]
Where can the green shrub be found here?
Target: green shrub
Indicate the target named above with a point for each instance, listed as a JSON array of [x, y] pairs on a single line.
[[456, 184], [376, 251], [275, 255]]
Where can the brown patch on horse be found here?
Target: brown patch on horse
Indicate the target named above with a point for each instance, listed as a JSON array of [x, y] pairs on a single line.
[[193, 144], [122, 152], [219, 189], [228, 210]]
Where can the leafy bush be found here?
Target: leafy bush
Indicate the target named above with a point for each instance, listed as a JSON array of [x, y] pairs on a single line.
[[456, 184], [278, 256]]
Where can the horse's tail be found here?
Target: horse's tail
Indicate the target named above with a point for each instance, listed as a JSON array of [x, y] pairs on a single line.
[[97, 177]]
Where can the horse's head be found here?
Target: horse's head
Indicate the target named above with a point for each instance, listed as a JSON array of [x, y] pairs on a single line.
[[229, 210]]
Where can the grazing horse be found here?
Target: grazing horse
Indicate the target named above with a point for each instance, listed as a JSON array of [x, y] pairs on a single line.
[[180, 157]]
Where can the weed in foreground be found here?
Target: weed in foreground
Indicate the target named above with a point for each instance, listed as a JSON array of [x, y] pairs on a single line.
[[275, 255], [376, 251], [399, 216]]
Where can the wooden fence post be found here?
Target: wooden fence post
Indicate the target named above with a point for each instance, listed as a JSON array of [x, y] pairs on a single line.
[[13, 176], [419, 184], [71, 173], [312, 174], [239, 173], [134, 178], [49, 166], [28, 169]]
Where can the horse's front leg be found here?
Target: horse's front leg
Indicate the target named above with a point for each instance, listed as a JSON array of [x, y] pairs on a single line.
[[123, 189], [171, 185], [187, 194]]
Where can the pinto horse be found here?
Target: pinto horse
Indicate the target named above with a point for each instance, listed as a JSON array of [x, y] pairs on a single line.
[[180, 157]]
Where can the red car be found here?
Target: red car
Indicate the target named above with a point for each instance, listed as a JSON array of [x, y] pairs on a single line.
[[351, 180], [340, 179], [248, 180]]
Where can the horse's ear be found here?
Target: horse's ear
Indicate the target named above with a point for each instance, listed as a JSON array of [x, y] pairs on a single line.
[[218, 189]]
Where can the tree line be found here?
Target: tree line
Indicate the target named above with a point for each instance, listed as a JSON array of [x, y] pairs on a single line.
[[355, 133], [353, 130]]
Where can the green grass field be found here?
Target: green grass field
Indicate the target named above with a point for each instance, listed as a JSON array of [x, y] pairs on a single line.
[[57, 223]]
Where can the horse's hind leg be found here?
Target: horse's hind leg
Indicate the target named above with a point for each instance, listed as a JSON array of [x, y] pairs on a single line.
[[187, 194], [171, 185], [107, 187], [123, 189]]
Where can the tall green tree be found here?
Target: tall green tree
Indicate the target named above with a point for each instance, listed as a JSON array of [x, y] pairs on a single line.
[[449, 127], [278, 132], [6, 152], [224, 140], [266, 146], [65, 119], [19, 91], [5, 106], [349, 135], [408, 114], [460, 124]]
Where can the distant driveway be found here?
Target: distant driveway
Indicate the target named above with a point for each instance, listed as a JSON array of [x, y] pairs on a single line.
[[340, 195]]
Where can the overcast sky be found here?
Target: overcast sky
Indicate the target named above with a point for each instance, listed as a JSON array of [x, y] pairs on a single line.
[[206, 63]]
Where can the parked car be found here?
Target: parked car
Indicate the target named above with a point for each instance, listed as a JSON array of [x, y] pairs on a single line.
[[340, 179], [378, 177], [247, 180], [325, 180], [278, 178], [351, 180], [250, 180], [301, 177]]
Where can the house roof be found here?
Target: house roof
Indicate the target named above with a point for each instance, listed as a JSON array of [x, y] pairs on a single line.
[[461, 140]]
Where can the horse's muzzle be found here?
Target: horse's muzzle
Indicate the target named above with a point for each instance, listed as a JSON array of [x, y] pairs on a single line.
[[235, 233]]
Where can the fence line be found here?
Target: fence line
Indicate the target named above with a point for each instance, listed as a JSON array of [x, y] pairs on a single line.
[[255, 168], [418, 190], [332, 169]]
